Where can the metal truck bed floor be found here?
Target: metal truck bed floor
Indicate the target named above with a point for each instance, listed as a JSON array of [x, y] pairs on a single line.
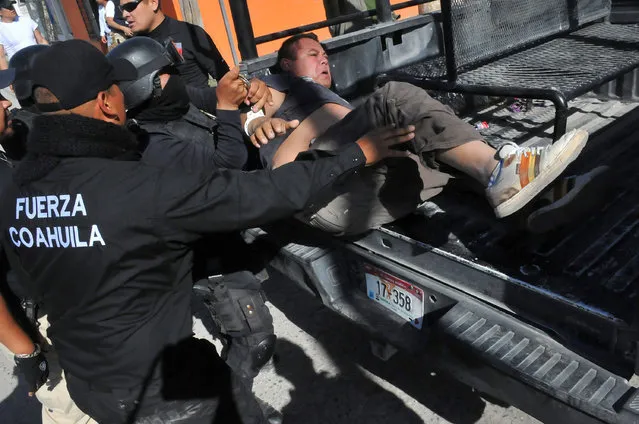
[[594, 260]]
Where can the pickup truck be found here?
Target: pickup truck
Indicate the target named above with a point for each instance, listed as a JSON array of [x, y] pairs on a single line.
[[545, 322]]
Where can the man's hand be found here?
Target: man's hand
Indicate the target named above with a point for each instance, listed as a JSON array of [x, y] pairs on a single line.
[[127, 31], [103, 39], [34, 369], [258, 95], [268, 128], [230, 90], [377, 144]]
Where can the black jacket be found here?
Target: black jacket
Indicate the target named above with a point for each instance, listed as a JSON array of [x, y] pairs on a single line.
[[196, 141], [5, 179], [201, 56], [107, 242]]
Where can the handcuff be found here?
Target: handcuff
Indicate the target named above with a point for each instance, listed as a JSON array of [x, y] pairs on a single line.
[[245, 81]]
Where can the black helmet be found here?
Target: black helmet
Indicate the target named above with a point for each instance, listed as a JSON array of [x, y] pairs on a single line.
[[22, 62], [149, 57]]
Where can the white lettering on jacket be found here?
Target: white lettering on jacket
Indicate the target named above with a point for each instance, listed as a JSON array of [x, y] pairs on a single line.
[[36, 208]]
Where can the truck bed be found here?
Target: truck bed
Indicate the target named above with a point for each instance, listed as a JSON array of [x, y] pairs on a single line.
[[592, 262]]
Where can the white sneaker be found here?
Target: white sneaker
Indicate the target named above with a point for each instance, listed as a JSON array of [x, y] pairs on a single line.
[[523, 172]]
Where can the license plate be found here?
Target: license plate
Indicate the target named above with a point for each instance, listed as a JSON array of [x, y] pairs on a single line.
[[402, 298]]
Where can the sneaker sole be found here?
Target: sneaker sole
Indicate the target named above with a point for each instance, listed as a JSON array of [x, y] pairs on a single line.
[[555, 168], [579, 201]]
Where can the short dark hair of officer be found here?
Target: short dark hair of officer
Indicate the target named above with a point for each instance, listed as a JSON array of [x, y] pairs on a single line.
[[70, 77]]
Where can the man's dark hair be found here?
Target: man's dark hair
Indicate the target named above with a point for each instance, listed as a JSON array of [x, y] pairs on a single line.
[[43, 95], [287, 51]]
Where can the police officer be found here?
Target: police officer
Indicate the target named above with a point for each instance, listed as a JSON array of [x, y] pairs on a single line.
[[20, 119], [30, 328], [202, 58], [28, 355], [106, 240], [181, 135]]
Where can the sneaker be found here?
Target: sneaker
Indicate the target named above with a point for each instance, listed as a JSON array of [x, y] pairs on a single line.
[[568, 199], [523, 172]]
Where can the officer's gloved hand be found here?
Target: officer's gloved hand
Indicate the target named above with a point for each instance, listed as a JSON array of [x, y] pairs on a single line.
[[34, 368]]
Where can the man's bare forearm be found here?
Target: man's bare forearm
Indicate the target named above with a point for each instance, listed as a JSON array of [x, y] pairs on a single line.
[[311, 127], [114, 25], [3, 59], [39, 38], [11, 334]]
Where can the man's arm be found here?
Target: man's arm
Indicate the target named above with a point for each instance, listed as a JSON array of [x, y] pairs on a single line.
[[12, 336], [124, 29], [109, 15], [39, 38], [230, 150], [311, 127], [226, 200], [3, 59], [206, 53], [28, 357], [203, 98]]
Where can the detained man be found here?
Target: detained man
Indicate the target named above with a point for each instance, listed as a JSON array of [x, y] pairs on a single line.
[[512, 176]]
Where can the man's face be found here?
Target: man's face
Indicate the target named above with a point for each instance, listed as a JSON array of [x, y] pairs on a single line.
[[140, 19], [311, 61], [8, 13]]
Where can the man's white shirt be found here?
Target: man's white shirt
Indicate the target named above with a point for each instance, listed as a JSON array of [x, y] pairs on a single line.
[[18, 34], [103, 13], [110, 9]]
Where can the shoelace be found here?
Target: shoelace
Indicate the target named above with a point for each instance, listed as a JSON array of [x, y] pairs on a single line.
[[521, 151]]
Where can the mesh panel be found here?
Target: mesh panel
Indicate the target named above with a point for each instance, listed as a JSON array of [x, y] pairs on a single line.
[[570, 64], [483, 29], [589, 10]]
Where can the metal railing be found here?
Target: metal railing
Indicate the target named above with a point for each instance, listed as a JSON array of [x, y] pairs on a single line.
[[247, 42]]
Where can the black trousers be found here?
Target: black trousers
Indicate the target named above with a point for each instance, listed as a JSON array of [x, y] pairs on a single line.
[[191, 384]]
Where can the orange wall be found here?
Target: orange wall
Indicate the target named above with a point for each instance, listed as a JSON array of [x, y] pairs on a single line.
[[267, 16]]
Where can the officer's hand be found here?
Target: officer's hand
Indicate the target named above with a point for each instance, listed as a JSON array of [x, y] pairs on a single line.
[[127, 32], [35, 371], [258, 95], [377, 144], [270, 128], [231, 90]]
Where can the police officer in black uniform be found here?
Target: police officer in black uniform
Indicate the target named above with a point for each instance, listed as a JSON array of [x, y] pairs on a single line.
[[28, 356], [181, 135], [202, 57], [107, 241], [20, 119]]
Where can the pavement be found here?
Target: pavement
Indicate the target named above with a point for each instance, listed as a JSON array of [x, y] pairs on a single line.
[[323, 372]]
